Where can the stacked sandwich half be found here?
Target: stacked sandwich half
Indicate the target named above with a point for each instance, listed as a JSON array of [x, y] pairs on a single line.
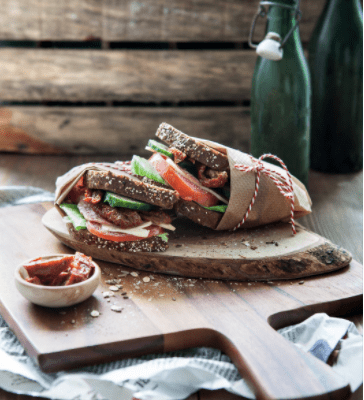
[[129, 206]]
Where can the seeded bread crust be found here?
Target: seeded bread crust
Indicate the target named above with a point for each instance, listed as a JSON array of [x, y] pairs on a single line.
[[154, 183], [193, 148], [198, 214], [152, 244], [132, 188]]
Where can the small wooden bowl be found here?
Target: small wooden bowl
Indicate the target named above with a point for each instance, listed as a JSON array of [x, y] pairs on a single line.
[[56, 296]]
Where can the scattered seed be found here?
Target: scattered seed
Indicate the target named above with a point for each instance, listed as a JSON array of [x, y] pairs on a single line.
[[253, 247], [273, 242], [124, 294], [125, 297], [94, 313], [113, 288], [135, 274], [173, 298], [73, 321], [116, 308], [301, 282], [146, 279], [108, 294]]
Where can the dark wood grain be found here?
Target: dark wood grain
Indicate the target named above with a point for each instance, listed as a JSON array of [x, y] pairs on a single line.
[[329, 192], [163, 324], [147, 20], [337, 209], [80, 130], [145, 76]]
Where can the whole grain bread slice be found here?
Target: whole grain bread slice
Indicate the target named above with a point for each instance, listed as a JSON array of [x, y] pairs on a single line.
[[198, 214], [132, 188], [192, 147], [152, 244]]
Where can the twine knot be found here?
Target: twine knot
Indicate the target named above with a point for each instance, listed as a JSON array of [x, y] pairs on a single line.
[[283, 183]]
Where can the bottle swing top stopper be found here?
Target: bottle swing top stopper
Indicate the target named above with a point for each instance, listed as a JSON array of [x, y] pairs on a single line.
[[271, 47]]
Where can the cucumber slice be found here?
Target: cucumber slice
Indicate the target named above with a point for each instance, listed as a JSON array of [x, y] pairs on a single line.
[[141, 166], [160, 148], [164, 237], [116, 200], [74, 215], [220, 208]]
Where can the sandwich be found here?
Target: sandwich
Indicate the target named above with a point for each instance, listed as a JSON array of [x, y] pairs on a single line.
[[130, 206], [197, 172], [122, 206]]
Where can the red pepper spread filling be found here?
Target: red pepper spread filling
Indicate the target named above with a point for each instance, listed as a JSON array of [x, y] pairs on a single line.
[[61, 271]]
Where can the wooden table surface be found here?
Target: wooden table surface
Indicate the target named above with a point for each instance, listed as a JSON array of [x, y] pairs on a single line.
[[337, 215]]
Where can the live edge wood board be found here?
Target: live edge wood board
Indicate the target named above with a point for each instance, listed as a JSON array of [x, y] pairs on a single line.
[[266, 253], [169, 313]]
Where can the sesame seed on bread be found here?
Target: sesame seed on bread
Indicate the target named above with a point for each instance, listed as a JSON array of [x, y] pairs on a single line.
[[198, 214], [193, 148], [132, 188], [152, 244]]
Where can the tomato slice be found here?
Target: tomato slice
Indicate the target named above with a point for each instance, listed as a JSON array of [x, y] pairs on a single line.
[[77, 192], [95, 229], [188, 188]]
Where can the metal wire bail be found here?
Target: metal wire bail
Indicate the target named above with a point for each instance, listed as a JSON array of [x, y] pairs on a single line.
[[262, 13], [298, 17]]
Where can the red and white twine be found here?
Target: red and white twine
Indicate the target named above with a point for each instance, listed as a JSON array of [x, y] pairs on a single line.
[[283, 183]]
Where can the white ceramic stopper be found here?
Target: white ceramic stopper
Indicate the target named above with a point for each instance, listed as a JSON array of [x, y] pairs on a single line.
[[269, 48]]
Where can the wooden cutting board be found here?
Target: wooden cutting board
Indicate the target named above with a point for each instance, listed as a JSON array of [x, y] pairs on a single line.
[[169, 313], [268, 253]]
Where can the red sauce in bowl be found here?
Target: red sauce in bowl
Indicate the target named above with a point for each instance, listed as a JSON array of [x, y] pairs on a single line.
[[61, 271]]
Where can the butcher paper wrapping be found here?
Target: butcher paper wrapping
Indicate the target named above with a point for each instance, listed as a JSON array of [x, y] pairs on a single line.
[[66, 182], [270, 205]]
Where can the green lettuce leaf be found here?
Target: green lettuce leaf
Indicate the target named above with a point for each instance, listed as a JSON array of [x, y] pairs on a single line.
[[74, 215], [220, 208], [164, 237]]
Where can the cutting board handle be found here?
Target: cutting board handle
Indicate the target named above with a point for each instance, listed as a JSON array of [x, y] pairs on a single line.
[[276, 368]]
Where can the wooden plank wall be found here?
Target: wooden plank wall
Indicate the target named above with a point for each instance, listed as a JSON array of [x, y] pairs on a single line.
[[99, 76]]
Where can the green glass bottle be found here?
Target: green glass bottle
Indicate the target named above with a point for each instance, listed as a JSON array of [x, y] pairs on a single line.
[[281, 97], [336, 66]]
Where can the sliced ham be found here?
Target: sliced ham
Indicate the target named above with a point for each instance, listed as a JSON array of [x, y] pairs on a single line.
[[90, 214], [121, 217]]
